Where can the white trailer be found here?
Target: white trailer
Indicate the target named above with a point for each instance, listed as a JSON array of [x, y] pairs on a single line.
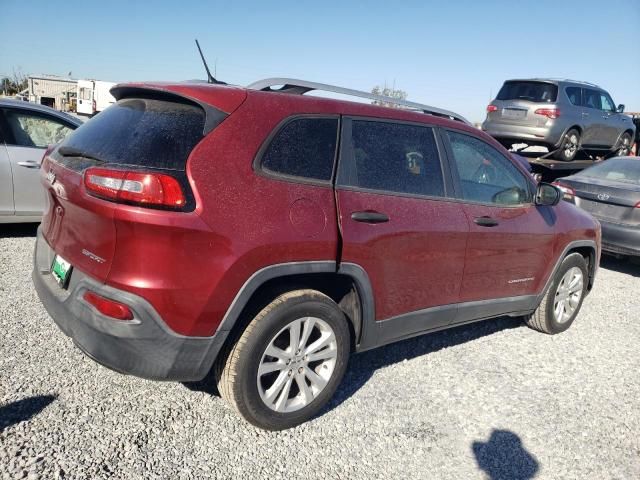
[[93, 96]]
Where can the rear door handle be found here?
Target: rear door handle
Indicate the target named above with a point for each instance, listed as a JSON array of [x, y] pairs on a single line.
[[29, 164], [369, 217], [585, 114], [486, 221]]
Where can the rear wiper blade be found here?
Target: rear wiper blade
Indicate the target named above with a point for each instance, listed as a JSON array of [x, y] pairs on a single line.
[[66, 151]]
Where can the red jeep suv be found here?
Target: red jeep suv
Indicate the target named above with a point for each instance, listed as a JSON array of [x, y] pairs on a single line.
[[266, 235]]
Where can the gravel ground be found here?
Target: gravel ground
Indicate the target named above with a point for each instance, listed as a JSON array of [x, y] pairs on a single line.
[[491, 400]]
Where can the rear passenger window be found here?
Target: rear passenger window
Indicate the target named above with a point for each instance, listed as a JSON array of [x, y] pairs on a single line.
[[303, 147], [592, 99], [394, 157], [575, 96]]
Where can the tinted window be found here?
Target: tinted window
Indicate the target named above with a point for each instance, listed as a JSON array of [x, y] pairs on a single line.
[[538, 92], [141, 131], [394, 158], [30, 129], [619, 170], [592, 99], [575, 95], [485, 174], [304, 147]]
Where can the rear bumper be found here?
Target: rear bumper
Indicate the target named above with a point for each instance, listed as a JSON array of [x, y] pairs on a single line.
[[548, 135], [144, 347], [621, 239]]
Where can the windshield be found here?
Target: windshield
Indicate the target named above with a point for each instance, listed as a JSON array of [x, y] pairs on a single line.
[[538, 92], [626, 170]]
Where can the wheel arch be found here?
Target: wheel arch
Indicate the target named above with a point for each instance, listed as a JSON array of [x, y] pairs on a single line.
[[631, 134], [347, 285], [588, 249]]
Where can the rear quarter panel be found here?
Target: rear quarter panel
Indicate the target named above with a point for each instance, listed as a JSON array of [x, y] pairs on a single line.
[[255, 221]]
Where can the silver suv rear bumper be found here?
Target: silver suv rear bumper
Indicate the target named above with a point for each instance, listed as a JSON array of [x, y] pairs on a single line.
[[547, 135]]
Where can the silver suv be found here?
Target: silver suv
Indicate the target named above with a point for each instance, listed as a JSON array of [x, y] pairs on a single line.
[[563, 115]]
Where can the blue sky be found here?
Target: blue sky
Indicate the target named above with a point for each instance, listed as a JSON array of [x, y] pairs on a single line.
[[451, 54]]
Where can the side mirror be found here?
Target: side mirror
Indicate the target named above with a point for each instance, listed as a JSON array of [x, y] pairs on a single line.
[[548, 195], [621, 108]]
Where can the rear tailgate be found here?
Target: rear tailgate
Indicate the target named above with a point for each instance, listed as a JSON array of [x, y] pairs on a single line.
[[149, 129], [518, 101], [78, 227], [608, 202]]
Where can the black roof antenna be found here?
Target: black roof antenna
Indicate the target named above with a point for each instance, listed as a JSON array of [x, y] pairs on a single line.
[[210, 78]]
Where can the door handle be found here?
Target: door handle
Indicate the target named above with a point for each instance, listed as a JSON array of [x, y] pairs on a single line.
[[585, 114], [486, 221], [29, 164], [369, 217]]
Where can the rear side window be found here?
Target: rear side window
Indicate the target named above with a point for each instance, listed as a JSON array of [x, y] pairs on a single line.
[[393, 157], [538, 92], [141, 132], [304, 147], [35, 130], [575, 96]]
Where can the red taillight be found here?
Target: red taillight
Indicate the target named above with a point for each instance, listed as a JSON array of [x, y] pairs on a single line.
[[637, 205], [548, 112], [491, 108], [107, 307], [568, 192], [141, 188]]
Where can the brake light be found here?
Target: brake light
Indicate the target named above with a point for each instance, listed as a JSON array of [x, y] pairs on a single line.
[[491, 108], [548, 112], [108, 307], [140, 188], [637, 205], [568, 192]]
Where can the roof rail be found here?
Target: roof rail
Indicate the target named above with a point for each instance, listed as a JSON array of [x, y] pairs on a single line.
[[581, 82], [300, 87]]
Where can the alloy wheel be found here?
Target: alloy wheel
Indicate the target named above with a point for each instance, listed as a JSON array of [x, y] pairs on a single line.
[[297, 364], [568, 295], [625, 146], [570, 145]]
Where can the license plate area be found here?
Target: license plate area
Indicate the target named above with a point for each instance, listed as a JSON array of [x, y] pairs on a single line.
[[514, 113], [61, 270]]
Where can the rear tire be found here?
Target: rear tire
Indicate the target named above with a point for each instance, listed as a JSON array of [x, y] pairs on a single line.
[[272, 375], [569, 147], [562, 301]]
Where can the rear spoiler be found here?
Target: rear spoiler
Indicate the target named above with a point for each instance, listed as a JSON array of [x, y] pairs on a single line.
[[213, 115]]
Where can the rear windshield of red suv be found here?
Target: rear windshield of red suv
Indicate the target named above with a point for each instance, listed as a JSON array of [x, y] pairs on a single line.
[[539, 92], [140, 132]]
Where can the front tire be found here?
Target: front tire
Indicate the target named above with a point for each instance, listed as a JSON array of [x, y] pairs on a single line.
[[288, 362], [562, 301], [569, 146], [623, 148]]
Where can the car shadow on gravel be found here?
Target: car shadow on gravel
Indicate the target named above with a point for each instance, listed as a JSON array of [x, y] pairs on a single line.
[[363, 365], [19, 230], [627, 265], [503, 456], [22, 410]]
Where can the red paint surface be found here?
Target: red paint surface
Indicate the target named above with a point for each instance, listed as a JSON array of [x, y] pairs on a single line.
[[190, 266]]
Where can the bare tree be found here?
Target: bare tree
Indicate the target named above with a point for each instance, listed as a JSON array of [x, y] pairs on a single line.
[[14, 83], [388, 92]]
